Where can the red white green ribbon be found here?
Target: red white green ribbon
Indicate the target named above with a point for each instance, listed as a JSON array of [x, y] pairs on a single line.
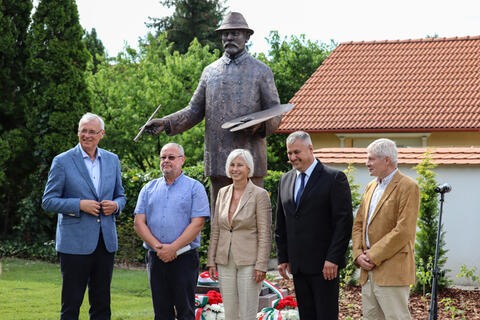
[[271, 314], [272, 287]]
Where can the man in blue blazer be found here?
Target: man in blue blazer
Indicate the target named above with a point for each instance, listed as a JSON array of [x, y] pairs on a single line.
[[314, 224], [85, 188]]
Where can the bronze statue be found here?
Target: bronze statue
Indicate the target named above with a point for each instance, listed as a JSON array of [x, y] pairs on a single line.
[[233, 86]]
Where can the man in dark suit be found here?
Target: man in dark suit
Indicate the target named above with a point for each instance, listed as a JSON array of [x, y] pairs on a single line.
[[85, 188], [314, 224]]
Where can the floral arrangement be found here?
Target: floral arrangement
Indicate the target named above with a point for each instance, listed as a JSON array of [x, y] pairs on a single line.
[[288, 302], [209, 306], [282, 309]]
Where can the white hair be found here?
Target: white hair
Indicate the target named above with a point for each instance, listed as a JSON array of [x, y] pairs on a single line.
[[176, 145], [245, 154], [300, 135], [384, 148], [89, 117]]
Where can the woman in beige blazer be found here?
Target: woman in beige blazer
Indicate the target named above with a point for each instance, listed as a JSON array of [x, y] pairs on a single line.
[[240, 239]]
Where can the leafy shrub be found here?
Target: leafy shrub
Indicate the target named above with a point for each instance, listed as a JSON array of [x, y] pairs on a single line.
[[37, 250], [130, 249], [427, 223], [346, 274]]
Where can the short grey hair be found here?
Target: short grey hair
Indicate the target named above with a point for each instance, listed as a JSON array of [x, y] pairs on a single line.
[[89, 117], [300, 135], [176, 145], [384, 148], [245, 154]]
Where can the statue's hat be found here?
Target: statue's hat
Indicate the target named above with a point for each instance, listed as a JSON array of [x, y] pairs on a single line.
[[234, 20]]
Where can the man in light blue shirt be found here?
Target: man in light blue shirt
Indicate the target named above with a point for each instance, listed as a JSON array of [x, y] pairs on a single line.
[[169, 217]]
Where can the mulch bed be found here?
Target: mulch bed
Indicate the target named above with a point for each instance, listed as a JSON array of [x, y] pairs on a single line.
[[452, 303]]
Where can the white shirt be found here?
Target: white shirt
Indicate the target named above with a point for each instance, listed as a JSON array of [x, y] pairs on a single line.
[[377, 194], [298, 180], [93, 168]]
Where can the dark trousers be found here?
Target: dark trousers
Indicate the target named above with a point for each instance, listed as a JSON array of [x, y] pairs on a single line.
[[317, 298], [173, 285], [78, 271]]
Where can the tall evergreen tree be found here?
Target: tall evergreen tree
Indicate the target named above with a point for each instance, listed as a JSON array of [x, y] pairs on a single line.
[[95, 47], [59, 97], [191, 19], [15, 152], [427, 223]]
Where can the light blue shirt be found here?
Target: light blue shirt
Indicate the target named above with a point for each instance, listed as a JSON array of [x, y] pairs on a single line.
[[93, 168], [169, 208], [298, 180]]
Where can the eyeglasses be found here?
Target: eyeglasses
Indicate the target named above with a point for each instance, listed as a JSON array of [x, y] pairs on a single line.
[[171, 158], [90, 132]]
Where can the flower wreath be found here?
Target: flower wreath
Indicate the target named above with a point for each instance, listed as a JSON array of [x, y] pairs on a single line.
[[210, 305]]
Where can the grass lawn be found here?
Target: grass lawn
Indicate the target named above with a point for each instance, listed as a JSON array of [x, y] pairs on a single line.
[[31, 290]]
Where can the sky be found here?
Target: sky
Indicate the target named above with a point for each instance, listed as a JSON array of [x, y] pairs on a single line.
[[120, 22]]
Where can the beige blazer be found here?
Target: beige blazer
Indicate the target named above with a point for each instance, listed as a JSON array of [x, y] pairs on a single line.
[[391, 231], [250, 232]]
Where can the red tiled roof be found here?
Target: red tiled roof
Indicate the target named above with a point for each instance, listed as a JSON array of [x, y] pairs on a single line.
[[459, 156], [403, 85]]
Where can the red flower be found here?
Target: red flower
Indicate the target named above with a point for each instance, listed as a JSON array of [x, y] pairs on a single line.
[[287, 302], [214, 297]]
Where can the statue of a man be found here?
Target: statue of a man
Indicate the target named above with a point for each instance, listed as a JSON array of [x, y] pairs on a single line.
[[234, 85]]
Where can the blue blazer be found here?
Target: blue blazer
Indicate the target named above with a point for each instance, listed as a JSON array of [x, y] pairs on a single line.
[[68, 183]]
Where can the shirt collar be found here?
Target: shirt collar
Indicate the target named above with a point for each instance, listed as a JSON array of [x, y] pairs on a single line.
[[85, 155], [175, 181], [238, 59], [309, 171], [387, 179]]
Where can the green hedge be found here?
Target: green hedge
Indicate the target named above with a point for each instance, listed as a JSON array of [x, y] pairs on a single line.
[[130, 250]]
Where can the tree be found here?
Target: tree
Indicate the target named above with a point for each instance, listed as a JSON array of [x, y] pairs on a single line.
[[127, 93], [58, 99], [292, 63], [191, 19], [15, 154], [95, 48], [428, 226]]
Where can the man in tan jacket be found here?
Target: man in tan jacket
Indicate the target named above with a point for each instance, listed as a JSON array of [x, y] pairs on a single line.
[[384, 235]]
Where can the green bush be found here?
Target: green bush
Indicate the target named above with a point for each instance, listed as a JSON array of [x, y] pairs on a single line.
[[346, 274], [270, 184], [427, 223], [36, 250], [130, 249]]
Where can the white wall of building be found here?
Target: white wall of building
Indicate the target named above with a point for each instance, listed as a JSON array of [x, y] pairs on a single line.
[[461, 212]]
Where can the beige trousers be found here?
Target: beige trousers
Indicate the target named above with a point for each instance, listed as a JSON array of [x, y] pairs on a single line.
[[384, 303], [239, 290]]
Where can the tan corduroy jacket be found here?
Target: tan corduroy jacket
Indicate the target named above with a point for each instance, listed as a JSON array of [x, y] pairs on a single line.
[[250, 232], [391, 232]]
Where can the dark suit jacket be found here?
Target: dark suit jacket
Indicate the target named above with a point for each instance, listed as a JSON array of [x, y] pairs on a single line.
[[320, 228]]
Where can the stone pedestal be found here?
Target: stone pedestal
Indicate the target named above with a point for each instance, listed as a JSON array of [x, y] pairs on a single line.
[[204, 289]]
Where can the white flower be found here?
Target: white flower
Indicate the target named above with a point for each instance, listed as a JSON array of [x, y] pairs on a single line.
[[293, 314], [210, 315], [217, 307]]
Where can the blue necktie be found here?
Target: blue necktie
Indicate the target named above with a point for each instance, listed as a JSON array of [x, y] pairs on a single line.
[[300, 190]]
